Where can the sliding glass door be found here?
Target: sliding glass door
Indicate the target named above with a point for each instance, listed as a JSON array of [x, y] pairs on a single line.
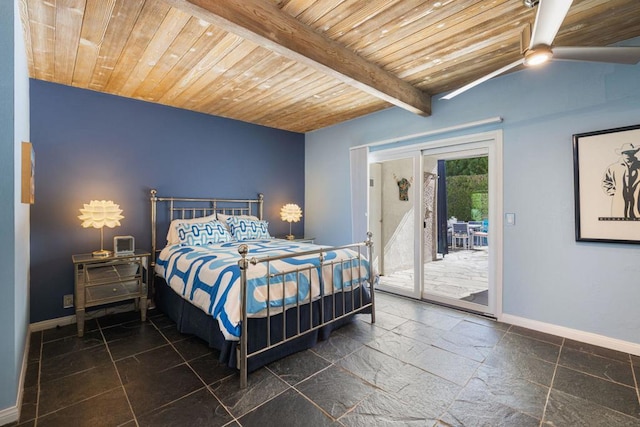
[[435, 210]]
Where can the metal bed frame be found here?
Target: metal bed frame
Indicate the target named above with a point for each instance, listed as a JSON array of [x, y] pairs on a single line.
[[187, 208]]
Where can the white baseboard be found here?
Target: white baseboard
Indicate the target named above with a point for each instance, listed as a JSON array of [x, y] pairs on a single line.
[[12, 413], [9, 415], [52, 323], [70, 320], [574, 334]]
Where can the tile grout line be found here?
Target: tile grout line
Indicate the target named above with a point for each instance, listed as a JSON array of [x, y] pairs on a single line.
[[289, 386], [115, 367], [205, 385], [635, 377], [596, 376], [553, 378], [562, 355], [446, 411], [332, 364], [35, 421], [38, 414]]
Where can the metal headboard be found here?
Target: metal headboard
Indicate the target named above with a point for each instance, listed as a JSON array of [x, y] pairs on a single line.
[[187, 208]]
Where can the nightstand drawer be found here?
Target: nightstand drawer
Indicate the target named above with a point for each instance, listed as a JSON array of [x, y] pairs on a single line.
[[110, 279], [116, 291], [114, 273]]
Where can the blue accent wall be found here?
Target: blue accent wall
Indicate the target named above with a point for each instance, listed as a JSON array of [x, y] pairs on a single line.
[[91, 145]]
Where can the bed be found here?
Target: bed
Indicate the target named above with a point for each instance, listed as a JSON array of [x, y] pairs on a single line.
[[222, 277]]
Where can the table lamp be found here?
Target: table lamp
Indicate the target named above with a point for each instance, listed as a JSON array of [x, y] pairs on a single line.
[[98, 214], [290, 213]]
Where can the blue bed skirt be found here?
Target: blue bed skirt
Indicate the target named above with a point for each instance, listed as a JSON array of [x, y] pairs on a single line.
[[192, 320]]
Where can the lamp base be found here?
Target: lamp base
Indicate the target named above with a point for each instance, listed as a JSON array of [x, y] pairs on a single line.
[[103, 253], [290, 237]]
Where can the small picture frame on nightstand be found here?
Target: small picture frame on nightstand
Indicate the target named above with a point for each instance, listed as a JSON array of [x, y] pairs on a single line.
[[123, 245]]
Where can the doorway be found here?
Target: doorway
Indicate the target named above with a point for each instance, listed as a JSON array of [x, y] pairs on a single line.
[[441, 241], [392, 218], [456, 229]]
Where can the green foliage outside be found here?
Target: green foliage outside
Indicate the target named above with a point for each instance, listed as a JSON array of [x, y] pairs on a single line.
[[468, 189], [474, 166], [479, 206]]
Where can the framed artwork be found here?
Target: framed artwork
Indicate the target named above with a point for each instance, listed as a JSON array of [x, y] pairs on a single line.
[[606, 168], [28, 173]]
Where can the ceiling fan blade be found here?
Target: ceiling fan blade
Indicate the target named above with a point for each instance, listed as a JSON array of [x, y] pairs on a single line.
[[483, 79], [613, 54], [549, 17]]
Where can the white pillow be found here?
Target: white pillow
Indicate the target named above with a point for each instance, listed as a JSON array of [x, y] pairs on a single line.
[[223, 218], [172, 234]]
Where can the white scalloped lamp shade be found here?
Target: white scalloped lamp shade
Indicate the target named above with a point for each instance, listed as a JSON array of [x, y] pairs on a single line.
[[100, 213], [291, 212]]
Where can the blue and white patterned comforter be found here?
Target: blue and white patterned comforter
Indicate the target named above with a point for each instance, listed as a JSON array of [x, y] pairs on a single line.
[[209, 277]]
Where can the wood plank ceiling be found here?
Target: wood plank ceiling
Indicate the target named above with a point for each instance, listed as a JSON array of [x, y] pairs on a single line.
[[188, 54]]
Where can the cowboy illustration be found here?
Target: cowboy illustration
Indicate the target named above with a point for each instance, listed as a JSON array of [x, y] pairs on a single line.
[[622, 182]]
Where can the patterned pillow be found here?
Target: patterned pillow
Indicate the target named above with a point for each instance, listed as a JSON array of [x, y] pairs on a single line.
[[248, 229], [204, 233], [172, 234], [224, 218]]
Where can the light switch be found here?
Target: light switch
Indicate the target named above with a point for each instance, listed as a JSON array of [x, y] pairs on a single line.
[[510, 218]]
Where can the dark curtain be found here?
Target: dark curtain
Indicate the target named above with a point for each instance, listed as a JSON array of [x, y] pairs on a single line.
[[443, 246]]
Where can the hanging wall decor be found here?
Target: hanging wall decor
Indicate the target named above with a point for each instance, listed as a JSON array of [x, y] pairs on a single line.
[[607, 185], [28, 173], [403, 187]]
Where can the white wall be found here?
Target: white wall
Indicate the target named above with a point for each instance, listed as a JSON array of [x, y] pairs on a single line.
[[548, 276]]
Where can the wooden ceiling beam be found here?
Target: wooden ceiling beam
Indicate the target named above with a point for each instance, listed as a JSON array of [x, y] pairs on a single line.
[[261, 22]]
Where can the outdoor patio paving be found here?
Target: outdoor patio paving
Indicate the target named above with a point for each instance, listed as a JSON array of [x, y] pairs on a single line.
[[460, 274]]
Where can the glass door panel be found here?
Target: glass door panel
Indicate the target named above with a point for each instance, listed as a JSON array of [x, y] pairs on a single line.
[[455, 235]]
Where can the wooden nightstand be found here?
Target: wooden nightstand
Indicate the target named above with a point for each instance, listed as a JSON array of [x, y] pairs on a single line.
[[111, 279]]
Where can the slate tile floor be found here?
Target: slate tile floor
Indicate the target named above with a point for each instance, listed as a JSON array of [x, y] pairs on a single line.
[[419, 365]]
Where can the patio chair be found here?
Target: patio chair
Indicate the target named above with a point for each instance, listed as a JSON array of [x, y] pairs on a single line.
[[480, 237], [462, 233]]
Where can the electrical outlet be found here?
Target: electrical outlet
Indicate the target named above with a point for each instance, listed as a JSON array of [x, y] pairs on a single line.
[[67, 301]]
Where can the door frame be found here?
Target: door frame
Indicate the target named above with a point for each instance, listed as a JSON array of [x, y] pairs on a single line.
[[492, 141]]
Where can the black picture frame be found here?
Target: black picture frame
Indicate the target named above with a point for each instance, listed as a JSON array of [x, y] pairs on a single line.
[[606, 166]]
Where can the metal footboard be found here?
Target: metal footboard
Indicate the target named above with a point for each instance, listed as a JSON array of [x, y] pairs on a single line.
[[324, 318]]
